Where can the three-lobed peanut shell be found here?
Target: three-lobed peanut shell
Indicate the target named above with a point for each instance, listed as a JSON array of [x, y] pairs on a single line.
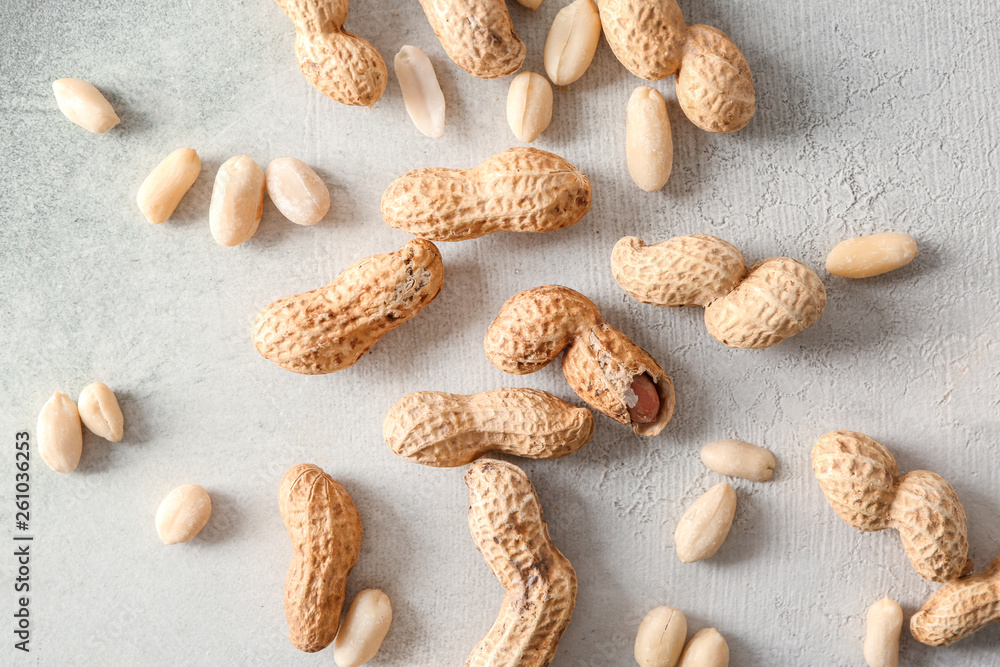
[[959, 608], [330, 328], [521, 189], [714, 84], [477, 35]]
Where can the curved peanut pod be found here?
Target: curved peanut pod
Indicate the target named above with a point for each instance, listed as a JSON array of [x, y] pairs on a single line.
[[932, 525], [329, 328], [477, 35], [447, 430], [777, 299], [859, 477], [339, 64], [692, 270], [505, 518], [959, 608], [325, 529], [519, 190], [714, 84], [647, 36]]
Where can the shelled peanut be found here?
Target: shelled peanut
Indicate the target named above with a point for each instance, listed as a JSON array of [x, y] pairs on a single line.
[[868, 256], [166, 185], [649, 144], [736, 458], [237, 201], [705, 525], [882, 626], [60, 434], [422, 94], [529, 106], [364, 628], [572, 42], [83, 103], [296, 190], [183, 513]]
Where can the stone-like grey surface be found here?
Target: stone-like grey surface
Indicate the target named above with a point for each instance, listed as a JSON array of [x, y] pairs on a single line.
[[871, 117]]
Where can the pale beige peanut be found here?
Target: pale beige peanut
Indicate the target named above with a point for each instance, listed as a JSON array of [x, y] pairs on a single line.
[[660, 638], [363, 629], [60, 436], [100, 412], [572, 42], [421, 92], [714, 83], [183, 513], [477, 35], [530, 4], [959, 608], [83, 103], [529, 106], [167, 184], [882, 626], [736, 458], [649, 146], [297, 191], [705, 525], [707, 648], [873, 255], [237, 201]]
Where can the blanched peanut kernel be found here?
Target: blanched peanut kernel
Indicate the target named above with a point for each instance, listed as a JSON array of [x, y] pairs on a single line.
[[884, 622], [649, 144], [529, 106], [183, 513], [84, 104], [297, 191], [421, 91], [167, 184], [237, 201], [868, 256], [364, 628], [60, 436], [660, 638], [572, 42], [100, 412], [707, 648], [705, 525], [736, 458]]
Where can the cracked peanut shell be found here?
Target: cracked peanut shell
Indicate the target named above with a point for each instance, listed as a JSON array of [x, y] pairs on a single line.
[[477, 35]]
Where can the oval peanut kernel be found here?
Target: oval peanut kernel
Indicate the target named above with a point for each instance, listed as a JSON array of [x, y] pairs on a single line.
[[60, 436], [83, 103], [422, 94], [867, 256], [237, 201], [660, 638], [100, 412], [365, 626], [529, 106], [648, 142], [167, 184], [705, 525], [183, 513], [736, 458], [297, 191], [572, 42]]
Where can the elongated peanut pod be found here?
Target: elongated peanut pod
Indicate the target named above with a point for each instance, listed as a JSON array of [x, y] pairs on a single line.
[[714, 84], [649, 144], [237, 201], [167, 184], [421, 92], [959, 609], [529, 106], [660, 638], [708, 648], [439, 429], [868, 256], [647, 36], [507, 525], [519, 190], [883, 624], [365, 626], [477, 35], [738, 459], [325, 530], [60, 435], [705, 525], [83, 103], [572, 42]]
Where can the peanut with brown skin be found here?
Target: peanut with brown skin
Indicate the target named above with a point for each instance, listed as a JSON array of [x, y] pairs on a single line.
[[506, 521], [960, 608], [603, 366], [860, 480], [477, 35]]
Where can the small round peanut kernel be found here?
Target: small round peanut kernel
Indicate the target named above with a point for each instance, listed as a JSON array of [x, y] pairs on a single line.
[[707, 648], [183, 513], [297, 191], [529, 106]]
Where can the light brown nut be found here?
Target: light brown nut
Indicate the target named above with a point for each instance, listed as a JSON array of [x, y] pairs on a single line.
[[83, 103], [859, 477], [777, 299], [507, 525], [738, 459], [60, 436], [647, 36], [873, 255], [883, 624], [529, 106], [421, 92], [660, 638], [649, 146], [447, 430], [167, 184], [477, 35], [325, 529], [572, 42], [960, 608], [692, 270], [705, 525], [530, 4], [237, 201], [100, 412], [183, 513], [365, 626], [519, 190], [601, 364], [297, 191], [329, 328], [339, 64], [714, 83], [707, 648]]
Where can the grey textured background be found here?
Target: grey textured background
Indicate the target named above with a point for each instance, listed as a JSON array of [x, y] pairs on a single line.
[[871, 117]]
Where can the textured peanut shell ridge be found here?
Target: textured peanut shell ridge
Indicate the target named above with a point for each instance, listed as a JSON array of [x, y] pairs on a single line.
[[960, 608], [339, 64], [647, 36], [505, 518], [329, 328], [519, 190], [932, 525], [714, 84], [777, 299], [534, 326], [325, 529], [692, 270], [477, 35], [439, 429], [859, 477]]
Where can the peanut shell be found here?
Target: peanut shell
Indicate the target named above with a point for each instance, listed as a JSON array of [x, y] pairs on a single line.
[[477, 35], [932, 525], [647, 36], [959, 609], [714, 83]]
